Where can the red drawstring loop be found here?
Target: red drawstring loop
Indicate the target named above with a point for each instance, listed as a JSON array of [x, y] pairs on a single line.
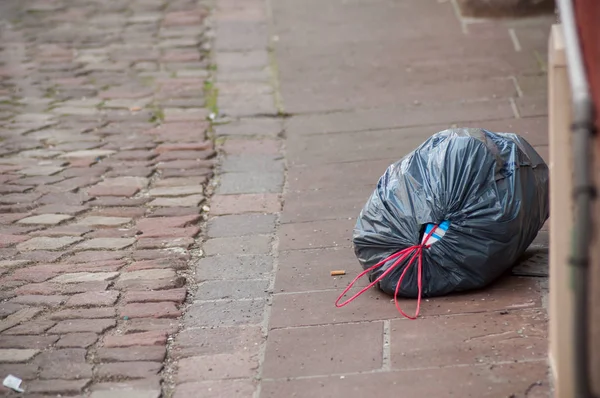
[[404, 253], [416, 251]]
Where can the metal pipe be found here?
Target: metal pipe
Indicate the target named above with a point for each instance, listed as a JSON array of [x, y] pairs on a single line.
[[583, 194]]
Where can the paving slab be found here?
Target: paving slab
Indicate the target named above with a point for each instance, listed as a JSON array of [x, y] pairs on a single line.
[[378, 86], [501, 380]]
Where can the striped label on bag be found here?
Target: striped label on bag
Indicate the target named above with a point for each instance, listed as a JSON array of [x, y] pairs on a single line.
[[438, 233]]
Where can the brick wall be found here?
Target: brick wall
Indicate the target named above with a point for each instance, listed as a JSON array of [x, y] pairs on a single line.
[[588, 15]]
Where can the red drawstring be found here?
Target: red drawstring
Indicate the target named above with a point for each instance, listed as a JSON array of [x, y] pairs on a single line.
[[416, 251]]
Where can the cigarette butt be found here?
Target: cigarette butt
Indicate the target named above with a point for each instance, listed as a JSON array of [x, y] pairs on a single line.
[[339, 272], [135, 108]]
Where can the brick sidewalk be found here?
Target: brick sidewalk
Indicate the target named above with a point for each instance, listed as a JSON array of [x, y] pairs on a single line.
[[100, 206], [113, 284]]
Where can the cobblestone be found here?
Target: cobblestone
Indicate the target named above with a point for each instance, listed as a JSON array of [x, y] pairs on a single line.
[[82, 325], [153, 310], [147, 274], [128, 370], [183, 201], [93, 299], [153, 338], [176, 191], [173, 182], [9, 240], [77, 340], [29, 328], [106, 244], [85, 277], [27, 342], [104, 221], [123, 390], [157, 263], [11, 355], [143, 353], [138, 325], [112, 191], [91, 313], [57, 386], [174, 295], [47, 243], [39, 300], [45, 219], [64, 364]]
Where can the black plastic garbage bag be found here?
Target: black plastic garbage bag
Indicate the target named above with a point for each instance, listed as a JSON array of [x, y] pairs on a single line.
[[478, 199]]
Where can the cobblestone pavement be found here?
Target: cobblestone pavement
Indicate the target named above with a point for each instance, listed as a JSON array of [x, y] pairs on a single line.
[[118, 278], [103, 167]]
